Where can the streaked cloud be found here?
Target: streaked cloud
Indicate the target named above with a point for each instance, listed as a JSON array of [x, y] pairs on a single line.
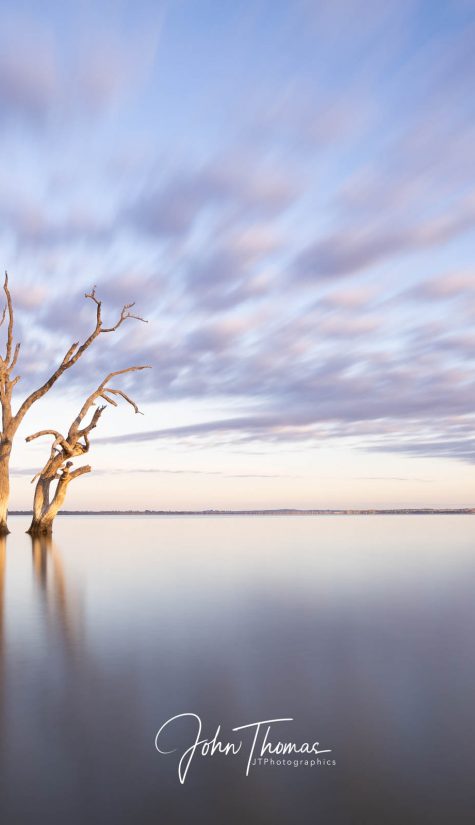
[[292, 214], [42, 81]]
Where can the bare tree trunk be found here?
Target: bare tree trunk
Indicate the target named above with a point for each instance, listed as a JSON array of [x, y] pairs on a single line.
[[56, 504], [45, 512], [40, 507], [5, 451]]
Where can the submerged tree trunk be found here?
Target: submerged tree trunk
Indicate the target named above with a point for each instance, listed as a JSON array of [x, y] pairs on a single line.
[[5, 451], [44, 511], [40, 506]]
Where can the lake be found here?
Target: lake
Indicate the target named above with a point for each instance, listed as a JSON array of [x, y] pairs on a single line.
[[359, 629]]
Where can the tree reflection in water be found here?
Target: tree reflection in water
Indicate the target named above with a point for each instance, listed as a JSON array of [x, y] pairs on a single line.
[[50, 580]]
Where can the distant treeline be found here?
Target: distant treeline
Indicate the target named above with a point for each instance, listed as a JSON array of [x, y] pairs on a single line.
[[427, 511]]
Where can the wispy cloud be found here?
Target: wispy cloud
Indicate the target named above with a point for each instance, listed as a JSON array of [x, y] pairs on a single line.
[[42, 83], [305, 266]]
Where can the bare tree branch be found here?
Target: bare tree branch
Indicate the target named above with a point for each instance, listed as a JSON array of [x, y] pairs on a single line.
[[80, 471], [70, 352], [44, 432], [123, 317], [73, 354], [125, 397], [99, 393], [59, 441], [10, 320], [15, 356], [109, 400], [93, 422]]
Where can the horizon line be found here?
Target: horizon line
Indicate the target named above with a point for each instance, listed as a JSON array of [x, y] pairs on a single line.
[[269, 511]]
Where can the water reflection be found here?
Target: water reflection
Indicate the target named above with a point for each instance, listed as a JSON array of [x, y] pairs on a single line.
[[3, 558], [50, 580], [364, 637]]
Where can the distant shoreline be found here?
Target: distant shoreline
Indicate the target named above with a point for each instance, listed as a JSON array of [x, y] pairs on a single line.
[[417, 511]]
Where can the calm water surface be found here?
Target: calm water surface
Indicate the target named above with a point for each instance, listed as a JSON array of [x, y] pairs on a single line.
[[359, 628]]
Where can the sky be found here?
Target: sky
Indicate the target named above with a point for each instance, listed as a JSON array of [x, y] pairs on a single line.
[[286, 190]]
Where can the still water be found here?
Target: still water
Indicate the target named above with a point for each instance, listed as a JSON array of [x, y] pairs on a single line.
[[360, 629]]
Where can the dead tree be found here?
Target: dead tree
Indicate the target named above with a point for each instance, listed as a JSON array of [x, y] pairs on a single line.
[[46, 502], [11, 421]]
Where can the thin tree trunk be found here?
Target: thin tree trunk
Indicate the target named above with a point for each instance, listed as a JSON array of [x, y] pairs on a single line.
[[5, 451]]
